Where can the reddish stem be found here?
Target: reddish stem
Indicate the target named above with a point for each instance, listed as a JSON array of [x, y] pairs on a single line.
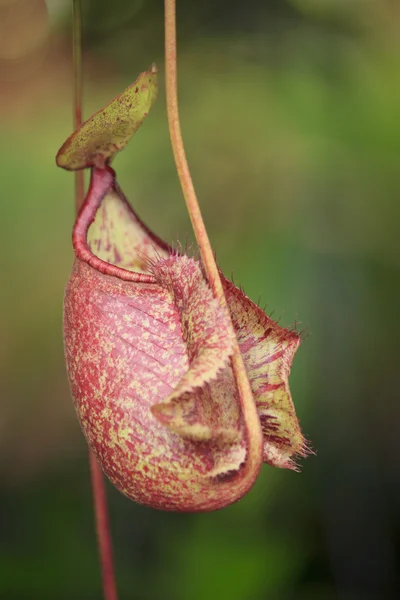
[[77, 104], [103, 529], [97, 479]]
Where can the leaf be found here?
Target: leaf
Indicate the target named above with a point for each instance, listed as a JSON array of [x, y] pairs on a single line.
[[108, 131]]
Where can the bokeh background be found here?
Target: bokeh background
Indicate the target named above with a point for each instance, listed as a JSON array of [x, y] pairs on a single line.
[[291, 117]]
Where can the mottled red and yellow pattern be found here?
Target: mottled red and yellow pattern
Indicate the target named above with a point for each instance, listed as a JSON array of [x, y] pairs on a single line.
[[148, 357]]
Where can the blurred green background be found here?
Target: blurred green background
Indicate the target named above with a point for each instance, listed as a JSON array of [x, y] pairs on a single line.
[[291, 117]]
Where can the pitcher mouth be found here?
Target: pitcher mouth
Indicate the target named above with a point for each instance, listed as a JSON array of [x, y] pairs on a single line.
[[107, 256]]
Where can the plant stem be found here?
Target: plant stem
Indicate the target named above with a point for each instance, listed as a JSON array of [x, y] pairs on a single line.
[[77, 104], [97, 479], [103, 529], [254, 450]]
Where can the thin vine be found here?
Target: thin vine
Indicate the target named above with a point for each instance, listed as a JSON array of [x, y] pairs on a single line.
[[97, 479], [251, 418]]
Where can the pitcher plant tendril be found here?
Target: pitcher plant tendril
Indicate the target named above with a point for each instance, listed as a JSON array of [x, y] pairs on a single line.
[[180, 382], [254, 434]]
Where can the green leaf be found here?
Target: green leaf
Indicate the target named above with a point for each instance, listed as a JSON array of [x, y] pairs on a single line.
[[109, 130]]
